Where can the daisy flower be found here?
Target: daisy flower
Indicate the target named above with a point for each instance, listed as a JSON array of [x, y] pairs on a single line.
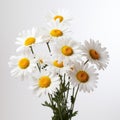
[[28, 38], [54, 31], [41, 60], [62, 15], [22, 66], [97, 55], [84, 76], [44, 83], [59, 66], [66, 50]]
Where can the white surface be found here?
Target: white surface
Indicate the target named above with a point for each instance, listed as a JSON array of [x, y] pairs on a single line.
[[99, 19]]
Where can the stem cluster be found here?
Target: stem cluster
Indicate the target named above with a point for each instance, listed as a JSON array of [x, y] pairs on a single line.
[[63, 108]]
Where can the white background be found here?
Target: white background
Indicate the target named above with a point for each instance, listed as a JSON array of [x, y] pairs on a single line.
[[98, 19]]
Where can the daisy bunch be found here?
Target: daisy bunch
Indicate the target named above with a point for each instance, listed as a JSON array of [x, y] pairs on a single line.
[[56, 65]]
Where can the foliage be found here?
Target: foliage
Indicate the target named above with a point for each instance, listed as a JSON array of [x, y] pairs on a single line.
[[63, 108]]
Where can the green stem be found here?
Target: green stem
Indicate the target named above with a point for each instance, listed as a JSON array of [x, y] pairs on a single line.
[[68, 90], [59, 109], [73, 98], [86, 61], [31, 49], [39, 67], [50, 98], [73, 104], [48, 47], [64, 85], [34, 57], [76, 95], [59, 101]]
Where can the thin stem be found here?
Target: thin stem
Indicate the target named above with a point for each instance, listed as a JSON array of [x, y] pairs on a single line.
[[58, 101], [71, 98], [39, 67], [66, 100], [86, 61], [50, 98], [72, 106], [31, 49], [60, 112], [34, 57], [76, 94], [48, 47], [64, 84], [73, 91], [68, 90], [77, 91]]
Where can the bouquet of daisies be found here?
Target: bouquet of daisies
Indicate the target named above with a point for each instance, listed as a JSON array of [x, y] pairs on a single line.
[[58, 65]]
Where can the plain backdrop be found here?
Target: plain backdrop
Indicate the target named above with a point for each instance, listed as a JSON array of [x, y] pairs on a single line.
[[97, 19]]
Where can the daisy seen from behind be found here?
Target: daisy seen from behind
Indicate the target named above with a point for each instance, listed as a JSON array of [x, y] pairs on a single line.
[[96, 54], [28, 38], [84, 76]]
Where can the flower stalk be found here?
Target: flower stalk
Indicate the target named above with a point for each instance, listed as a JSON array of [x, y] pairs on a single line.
[[63, 109], [39, 67]]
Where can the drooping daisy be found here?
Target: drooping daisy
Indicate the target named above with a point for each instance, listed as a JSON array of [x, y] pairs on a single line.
[[68, 49], [28, 38], [59, 66], [44, 83], [22, 66], [84, 76], [41, 59], [96, 54], [63, 16], [54, 31]]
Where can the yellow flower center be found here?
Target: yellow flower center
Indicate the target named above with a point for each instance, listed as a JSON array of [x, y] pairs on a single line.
[[57, 64], [82, 76], [40, 61], [29, 41], [58, 17], [44, 82], [94, 54], [23, 63], [56, 33], [67, 50]]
